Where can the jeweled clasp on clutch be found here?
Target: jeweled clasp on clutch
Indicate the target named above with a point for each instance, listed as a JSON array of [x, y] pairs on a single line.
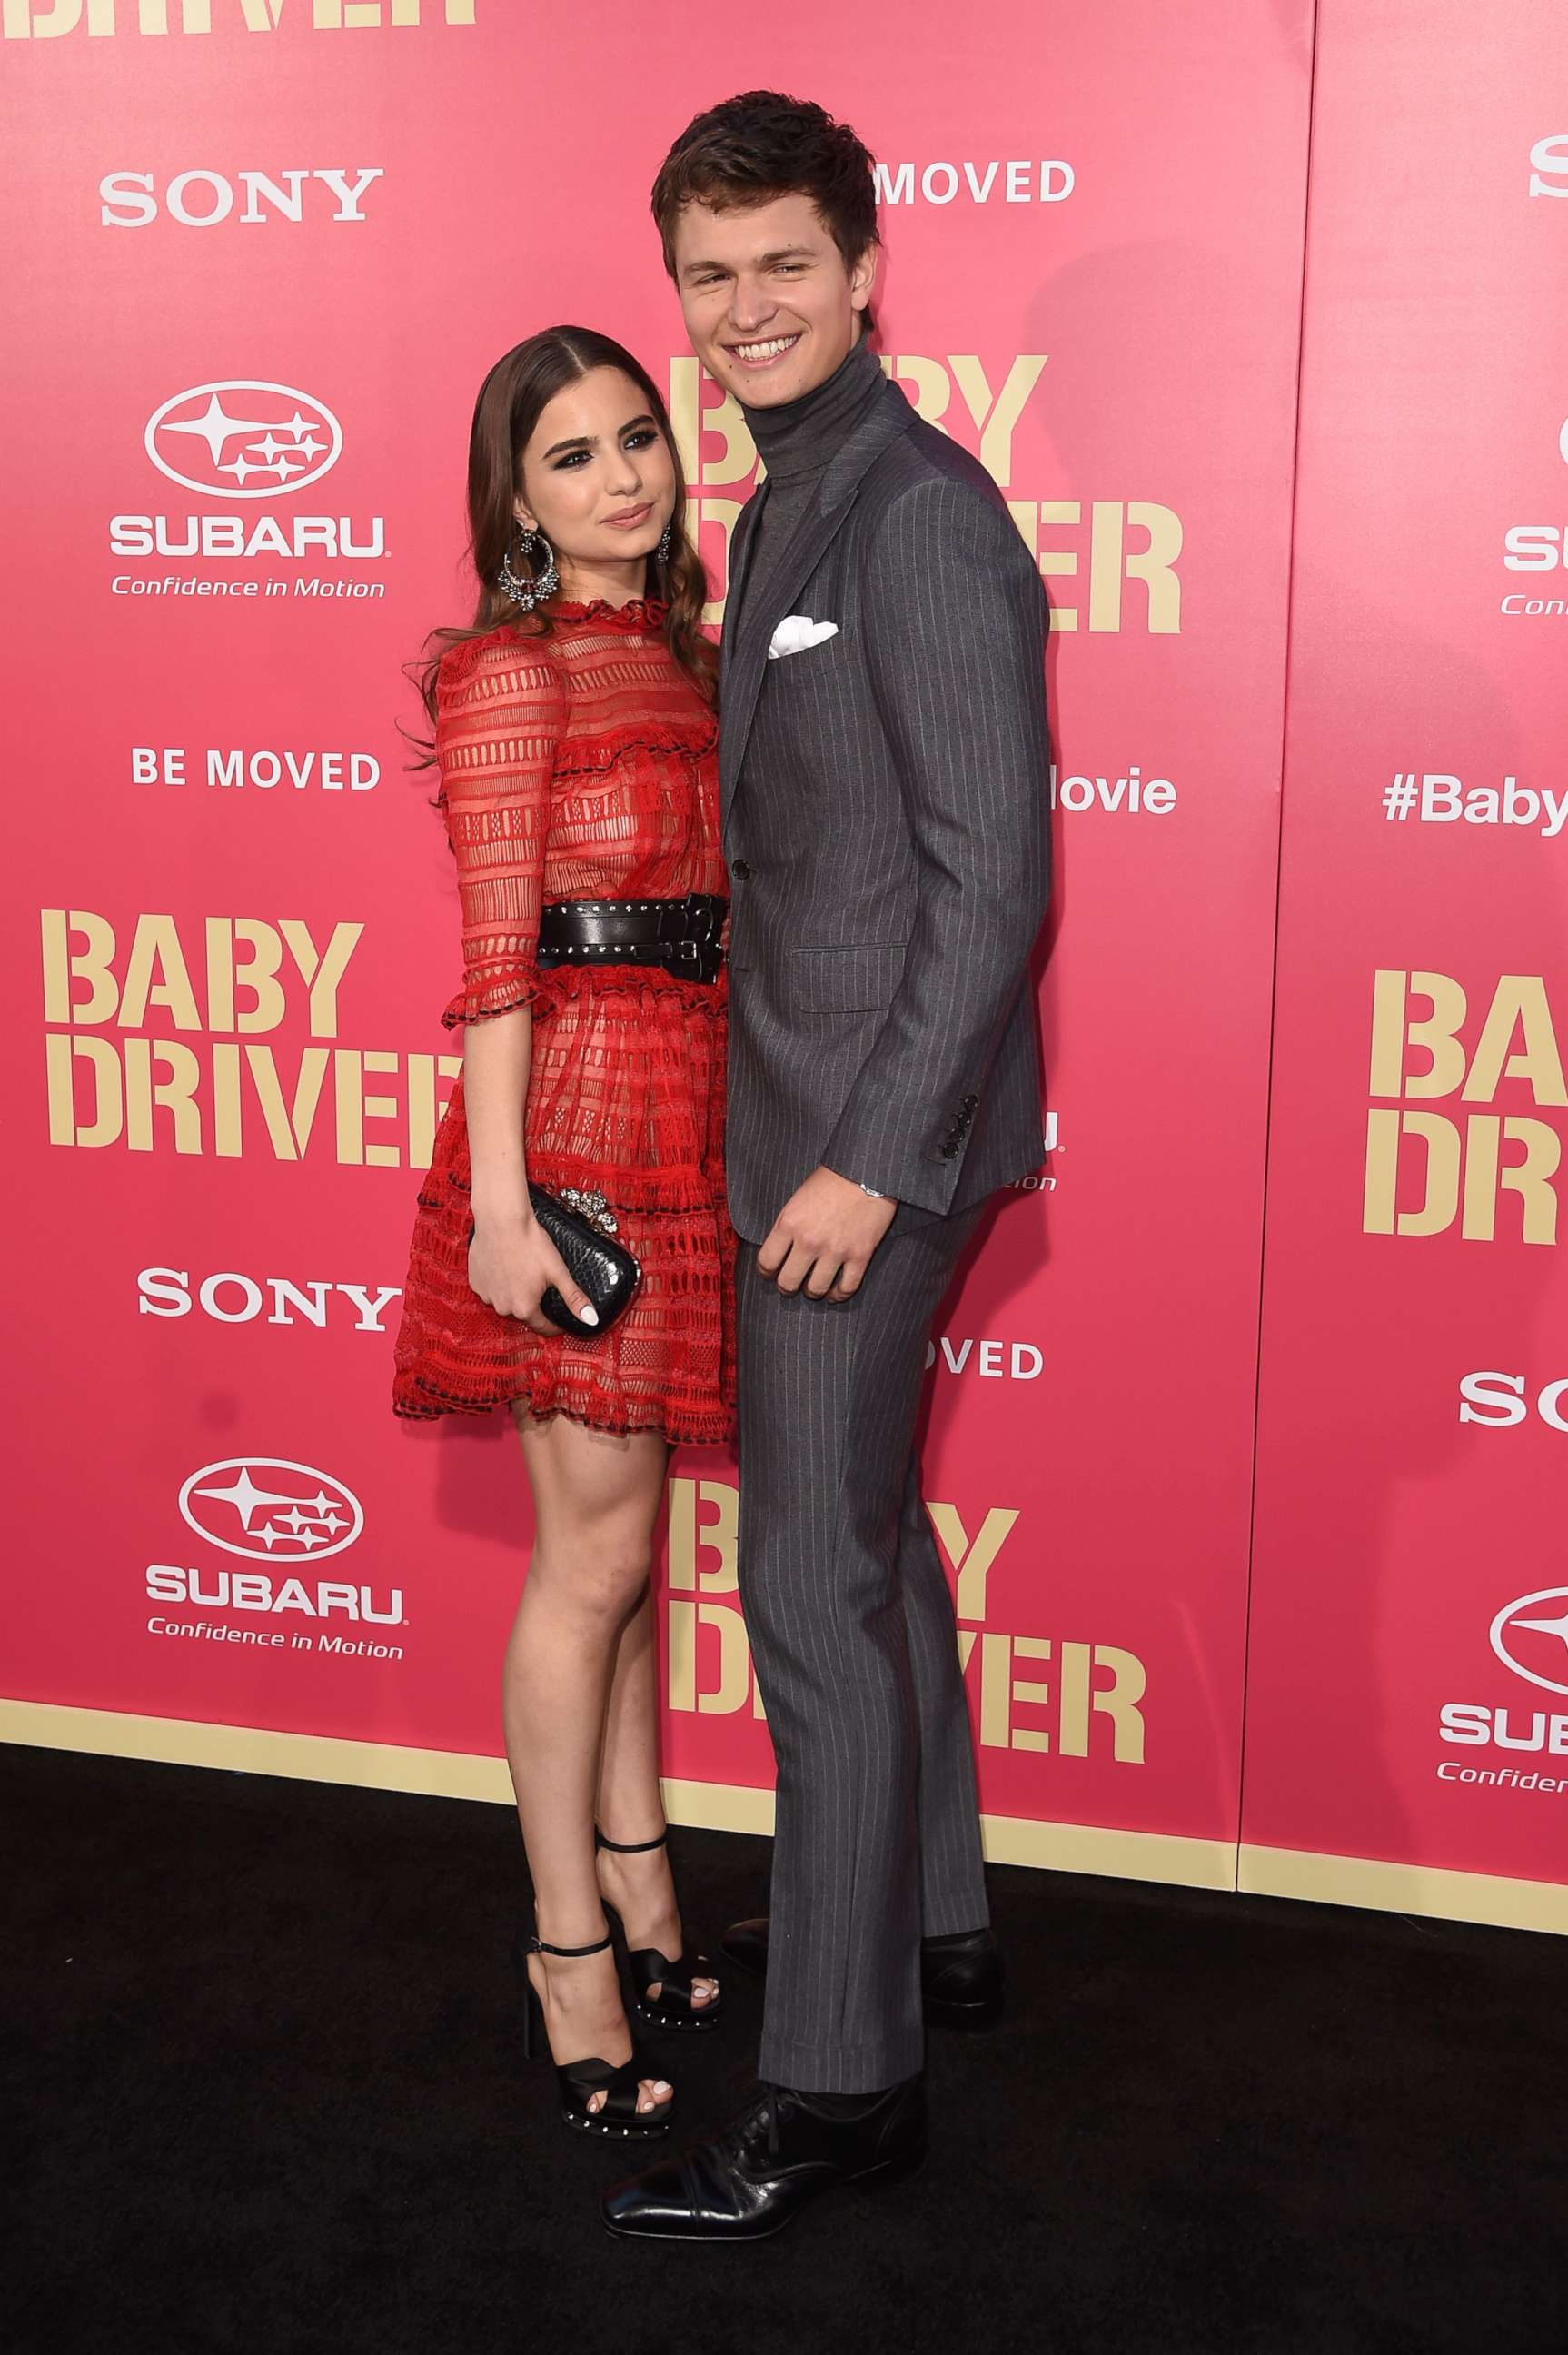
[[592, 1207]]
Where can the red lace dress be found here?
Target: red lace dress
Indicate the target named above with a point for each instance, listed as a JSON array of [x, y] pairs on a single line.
[[578, 766]]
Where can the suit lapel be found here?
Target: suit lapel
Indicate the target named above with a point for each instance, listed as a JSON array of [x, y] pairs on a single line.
[[742, 542], [746, 653]]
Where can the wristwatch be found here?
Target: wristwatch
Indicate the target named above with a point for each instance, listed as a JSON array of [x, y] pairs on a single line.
[[874, 1191]]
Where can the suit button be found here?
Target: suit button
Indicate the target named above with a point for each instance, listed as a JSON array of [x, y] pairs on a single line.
[[741, 872]]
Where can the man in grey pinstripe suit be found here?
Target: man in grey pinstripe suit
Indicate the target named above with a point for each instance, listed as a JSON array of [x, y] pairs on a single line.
[[882, 763]]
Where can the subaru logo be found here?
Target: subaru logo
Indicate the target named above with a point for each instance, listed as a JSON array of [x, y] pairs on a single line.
[[1530, 1636], [240, 439], [271, 1510]]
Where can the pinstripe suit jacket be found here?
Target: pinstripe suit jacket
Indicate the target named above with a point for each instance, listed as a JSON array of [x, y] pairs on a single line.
[[885, 823]]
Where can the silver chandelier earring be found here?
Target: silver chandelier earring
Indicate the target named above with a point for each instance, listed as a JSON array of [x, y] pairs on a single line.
[[662, 550], [539, 583]]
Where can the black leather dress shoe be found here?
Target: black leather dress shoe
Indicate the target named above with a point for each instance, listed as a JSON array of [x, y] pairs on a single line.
[[773, 2160], [960, 1978]]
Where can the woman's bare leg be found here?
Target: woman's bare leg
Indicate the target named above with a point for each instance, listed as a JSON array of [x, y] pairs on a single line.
[[596, 1499], [640, 1887]]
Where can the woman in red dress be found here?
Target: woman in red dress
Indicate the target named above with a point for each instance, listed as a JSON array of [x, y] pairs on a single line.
[[574, 736]]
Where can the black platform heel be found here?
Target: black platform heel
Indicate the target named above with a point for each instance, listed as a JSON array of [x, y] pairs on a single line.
[[647, 1966], [620, 2118]]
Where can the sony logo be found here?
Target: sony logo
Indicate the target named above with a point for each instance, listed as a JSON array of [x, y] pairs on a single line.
[[1498, 1402], [232, 1298], [1548, 167], [200, 199]]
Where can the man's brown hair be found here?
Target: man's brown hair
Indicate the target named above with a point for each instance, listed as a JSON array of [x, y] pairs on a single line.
[[762, 145]]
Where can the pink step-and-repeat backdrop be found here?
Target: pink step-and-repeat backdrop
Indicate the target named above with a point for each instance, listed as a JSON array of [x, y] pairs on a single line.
[[1408, 1671], [1255, 316]]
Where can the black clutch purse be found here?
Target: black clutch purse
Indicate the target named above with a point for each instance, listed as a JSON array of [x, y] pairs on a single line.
[[583, 1229]]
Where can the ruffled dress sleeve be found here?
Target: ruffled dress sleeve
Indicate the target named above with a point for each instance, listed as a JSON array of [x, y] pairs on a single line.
[[501, 705]]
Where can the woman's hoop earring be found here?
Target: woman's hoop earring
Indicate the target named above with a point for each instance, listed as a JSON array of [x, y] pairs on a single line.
[[538, 584], [662, 550]]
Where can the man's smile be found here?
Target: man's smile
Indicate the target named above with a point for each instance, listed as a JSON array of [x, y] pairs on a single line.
[[763, 352]]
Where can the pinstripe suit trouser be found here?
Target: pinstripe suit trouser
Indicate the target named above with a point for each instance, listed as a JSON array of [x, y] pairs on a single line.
[[852, 1631]]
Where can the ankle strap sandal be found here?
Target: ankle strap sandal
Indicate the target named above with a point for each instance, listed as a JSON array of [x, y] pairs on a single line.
[[579, 2080], [672, 2007]]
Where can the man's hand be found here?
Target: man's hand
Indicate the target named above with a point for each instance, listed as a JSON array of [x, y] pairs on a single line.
[[824, 1237]]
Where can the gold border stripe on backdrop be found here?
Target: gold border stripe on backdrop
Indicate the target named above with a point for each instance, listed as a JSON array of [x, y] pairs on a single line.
[[1405, 1889], [458, 1775], [730, 1807]]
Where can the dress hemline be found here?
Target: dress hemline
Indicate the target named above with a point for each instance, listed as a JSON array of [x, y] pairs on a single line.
[[715, 1430]]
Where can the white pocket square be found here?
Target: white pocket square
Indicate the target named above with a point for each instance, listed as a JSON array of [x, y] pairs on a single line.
[[799, 631]]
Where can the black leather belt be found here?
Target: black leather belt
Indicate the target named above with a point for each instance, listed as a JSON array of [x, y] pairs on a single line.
[[681, 935]]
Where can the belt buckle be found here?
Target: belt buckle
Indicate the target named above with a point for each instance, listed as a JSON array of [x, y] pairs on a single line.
[[696, 955], [700, 960]]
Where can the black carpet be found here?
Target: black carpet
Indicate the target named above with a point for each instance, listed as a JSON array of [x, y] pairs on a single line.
[[263, 2078]]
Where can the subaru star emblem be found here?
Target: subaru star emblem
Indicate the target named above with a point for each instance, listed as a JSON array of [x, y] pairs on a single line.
[[271, 1510], [240, 439], [1530, 1636]]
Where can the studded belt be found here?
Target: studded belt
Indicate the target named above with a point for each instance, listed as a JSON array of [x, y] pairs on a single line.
[[681, 935]]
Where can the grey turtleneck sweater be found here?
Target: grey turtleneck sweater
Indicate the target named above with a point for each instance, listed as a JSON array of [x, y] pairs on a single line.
[[797, 442]]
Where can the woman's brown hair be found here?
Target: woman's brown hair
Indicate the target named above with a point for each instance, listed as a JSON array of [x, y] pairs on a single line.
[[505, 415]]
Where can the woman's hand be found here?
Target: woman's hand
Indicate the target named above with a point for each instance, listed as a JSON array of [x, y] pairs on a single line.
[[512, 1262]]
